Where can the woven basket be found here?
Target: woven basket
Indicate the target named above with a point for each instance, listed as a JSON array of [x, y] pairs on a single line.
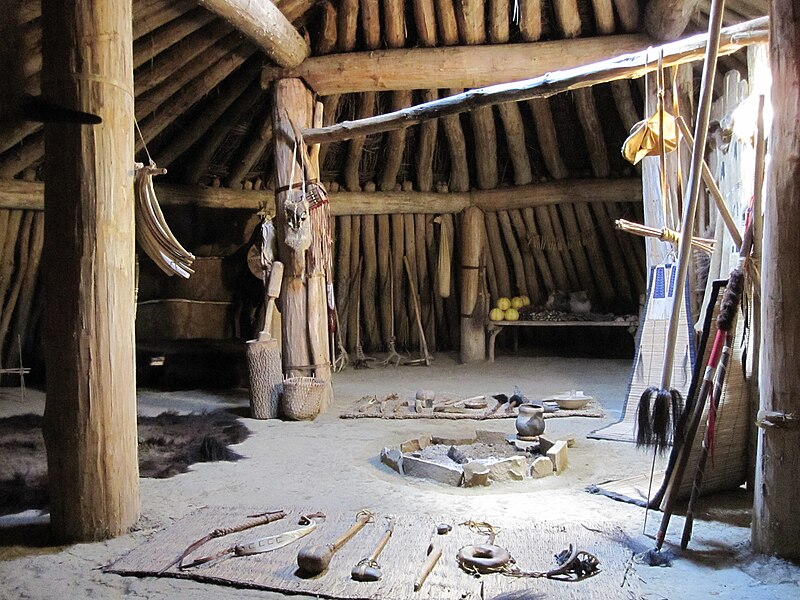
[[302, 397]]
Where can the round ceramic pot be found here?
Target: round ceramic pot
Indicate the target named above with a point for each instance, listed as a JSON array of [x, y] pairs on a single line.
[[530, 421]]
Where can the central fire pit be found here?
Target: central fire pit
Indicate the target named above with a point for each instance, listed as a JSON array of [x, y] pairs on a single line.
[[478, 460]]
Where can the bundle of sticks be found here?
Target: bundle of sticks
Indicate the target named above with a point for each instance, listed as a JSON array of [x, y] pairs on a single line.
[[152, 231]]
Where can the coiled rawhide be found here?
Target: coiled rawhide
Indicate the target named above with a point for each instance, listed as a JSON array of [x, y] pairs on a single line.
[[484, 558]]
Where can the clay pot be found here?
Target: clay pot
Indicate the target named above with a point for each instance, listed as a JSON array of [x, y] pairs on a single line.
[[530, 422]]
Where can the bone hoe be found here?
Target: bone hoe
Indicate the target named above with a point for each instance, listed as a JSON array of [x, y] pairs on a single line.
[[368, 568]]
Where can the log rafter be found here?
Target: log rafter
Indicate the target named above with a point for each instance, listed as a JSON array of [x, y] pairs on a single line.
[[621, 67], [28, 195]]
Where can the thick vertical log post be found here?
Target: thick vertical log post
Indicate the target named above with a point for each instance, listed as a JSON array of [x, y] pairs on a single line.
[[473, 301], [776, 528], [291, 100], [90, 414]]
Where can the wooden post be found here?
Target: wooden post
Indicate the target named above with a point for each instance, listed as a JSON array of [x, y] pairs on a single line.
[[776, 529], [90, 414], [473, 300], [292, 100]]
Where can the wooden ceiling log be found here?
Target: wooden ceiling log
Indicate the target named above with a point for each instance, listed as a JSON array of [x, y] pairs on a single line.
[[515, 139], [395, 145], [13, 132], [346, 29], [26, 156], [575, 243], [187, 96], [159, 13], [31, 55], [295, 9], [171, 64], [604, 16], [531, 235], [330, 105], [667, 19], [592, 131], [425, 18], [621, 67], [470, 16], [523, 287], [152, 44], [394, 23], [548, 137], [28, 11], [325, 40], [459, 171], [217, 133], [266, 26], [426, 144], [16, 194], [628, 12], [254, 146], [621, 90], [530, 20], [594, 254], [531, 264], [371, 23], [498, 21], [214, 109], [366, 108], [484, 143], [568, 17], [540, 228], [173, 80], [459, 66], [448, 25]]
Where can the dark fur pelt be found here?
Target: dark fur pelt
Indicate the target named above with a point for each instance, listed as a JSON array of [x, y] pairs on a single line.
[[168, 444], [730, 300]]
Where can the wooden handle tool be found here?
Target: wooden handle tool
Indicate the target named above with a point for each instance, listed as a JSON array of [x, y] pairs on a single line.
[[313, 560], [273, 291], [434, 554], [368, 568]]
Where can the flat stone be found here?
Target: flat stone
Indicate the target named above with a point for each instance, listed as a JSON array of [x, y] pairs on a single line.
[[545, 443], [453, 441], [486, 436], [416, 467], [393, 459], [525, 446], [570, 439], [415, 445], [476, 473], [541, 467], [509, 469], [558, 455]]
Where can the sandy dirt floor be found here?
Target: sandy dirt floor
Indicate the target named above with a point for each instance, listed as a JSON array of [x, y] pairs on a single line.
[[333, 464]]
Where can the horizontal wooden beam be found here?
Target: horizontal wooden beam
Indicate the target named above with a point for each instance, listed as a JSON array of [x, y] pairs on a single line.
[[266, 26], [450, 66], [626, 66], [19, 195]]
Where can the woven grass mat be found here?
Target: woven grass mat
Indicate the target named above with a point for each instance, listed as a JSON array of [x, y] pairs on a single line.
[[531, 543], [401, 411]]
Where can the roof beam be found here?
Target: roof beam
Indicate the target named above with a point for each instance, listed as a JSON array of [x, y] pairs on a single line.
[[627, 66], [266, 26], [450, 67], [29, 195], [667, 19]]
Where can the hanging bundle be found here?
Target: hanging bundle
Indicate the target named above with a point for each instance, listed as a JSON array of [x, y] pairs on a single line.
[[152, 231]]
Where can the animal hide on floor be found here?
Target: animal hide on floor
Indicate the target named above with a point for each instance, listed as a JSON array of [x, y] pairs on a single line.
[[168, 445]]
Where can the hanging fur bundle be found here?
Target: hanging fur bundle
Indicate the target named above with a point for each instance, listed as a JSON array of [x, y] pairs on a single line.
[[658, 417], [731, 300]]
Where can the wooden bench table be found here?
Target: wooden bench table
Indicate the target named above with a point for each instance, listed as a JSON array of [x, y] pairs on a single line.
[[495, 327]]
